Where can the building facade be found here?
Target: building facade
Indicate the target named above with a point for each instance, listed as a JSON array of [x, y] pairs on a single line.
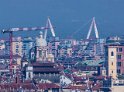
[[28, 44], [114, 55], [20, 46]]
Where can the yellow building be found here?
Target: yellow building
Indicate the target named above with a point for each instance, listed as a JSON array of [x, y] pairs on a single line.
[[114, 54], [112, 61], [17, 46]]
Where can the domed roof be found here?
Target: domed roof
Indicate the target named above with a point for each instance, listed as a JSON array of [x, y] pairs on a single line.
[[40, 41]]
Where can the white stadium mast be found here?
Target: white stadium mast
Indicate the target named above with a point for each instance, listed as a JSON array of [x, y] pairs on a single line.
[[93, 24], [49, 25]]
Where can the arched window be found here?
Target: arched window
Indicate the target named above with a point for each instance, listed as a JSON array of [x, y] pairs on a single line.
[[29, 75], [112, 71], [112, 63], [112, 53]]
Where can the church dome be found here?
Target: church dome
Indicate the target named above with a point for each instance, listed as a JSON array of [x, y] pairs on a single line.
[[40, 41]]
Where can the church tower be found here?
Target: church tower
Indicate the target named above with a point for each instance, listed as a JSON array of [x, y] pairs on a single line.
[[41, 48]]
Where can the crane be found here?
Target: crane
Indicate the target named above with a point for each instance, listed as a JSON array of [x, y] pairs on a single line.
[[10, 32]]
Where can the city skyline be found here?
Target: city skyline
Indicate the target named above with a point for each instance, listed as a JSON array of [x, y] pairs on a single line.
[[61, 46], [67, 16]]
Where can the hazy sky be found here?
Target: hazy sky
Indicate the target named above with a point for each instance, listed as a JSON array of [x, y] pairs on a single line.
[[67, 16]]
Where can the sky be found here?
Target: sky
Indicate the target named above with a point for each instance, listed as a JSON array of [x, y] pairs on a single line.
[[70, 17]]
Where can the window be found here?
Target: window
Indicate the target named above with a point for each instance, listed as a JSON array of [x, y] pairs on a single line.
[[17, 51], [118, 71], [40, 53], [61, 77], [17, 46], [112, 63], [24, 45], [29, 75], [117, 49], [119, 56], [112, 53], [120, 49], [119, 63]]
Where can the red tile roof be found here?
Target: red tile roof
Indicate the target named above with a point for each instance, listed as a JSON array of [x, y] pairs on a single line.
[[43, 64], [28, 86], [48, 85], [83, 87], [45, 70], [97, 87]]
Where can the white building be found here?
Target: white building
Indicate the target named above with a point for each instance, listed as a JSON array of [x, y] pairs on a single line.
[[41, 49], [65, 81]]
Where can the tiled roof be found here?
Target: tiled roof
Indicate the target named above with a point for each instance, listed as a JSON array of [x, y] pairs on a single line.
[[83, 87], [8, 57], [43, 64], [97, 87], [66, 62], [47, 85], [77, 78], [92, 62], [29, 86], [45, 70]]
